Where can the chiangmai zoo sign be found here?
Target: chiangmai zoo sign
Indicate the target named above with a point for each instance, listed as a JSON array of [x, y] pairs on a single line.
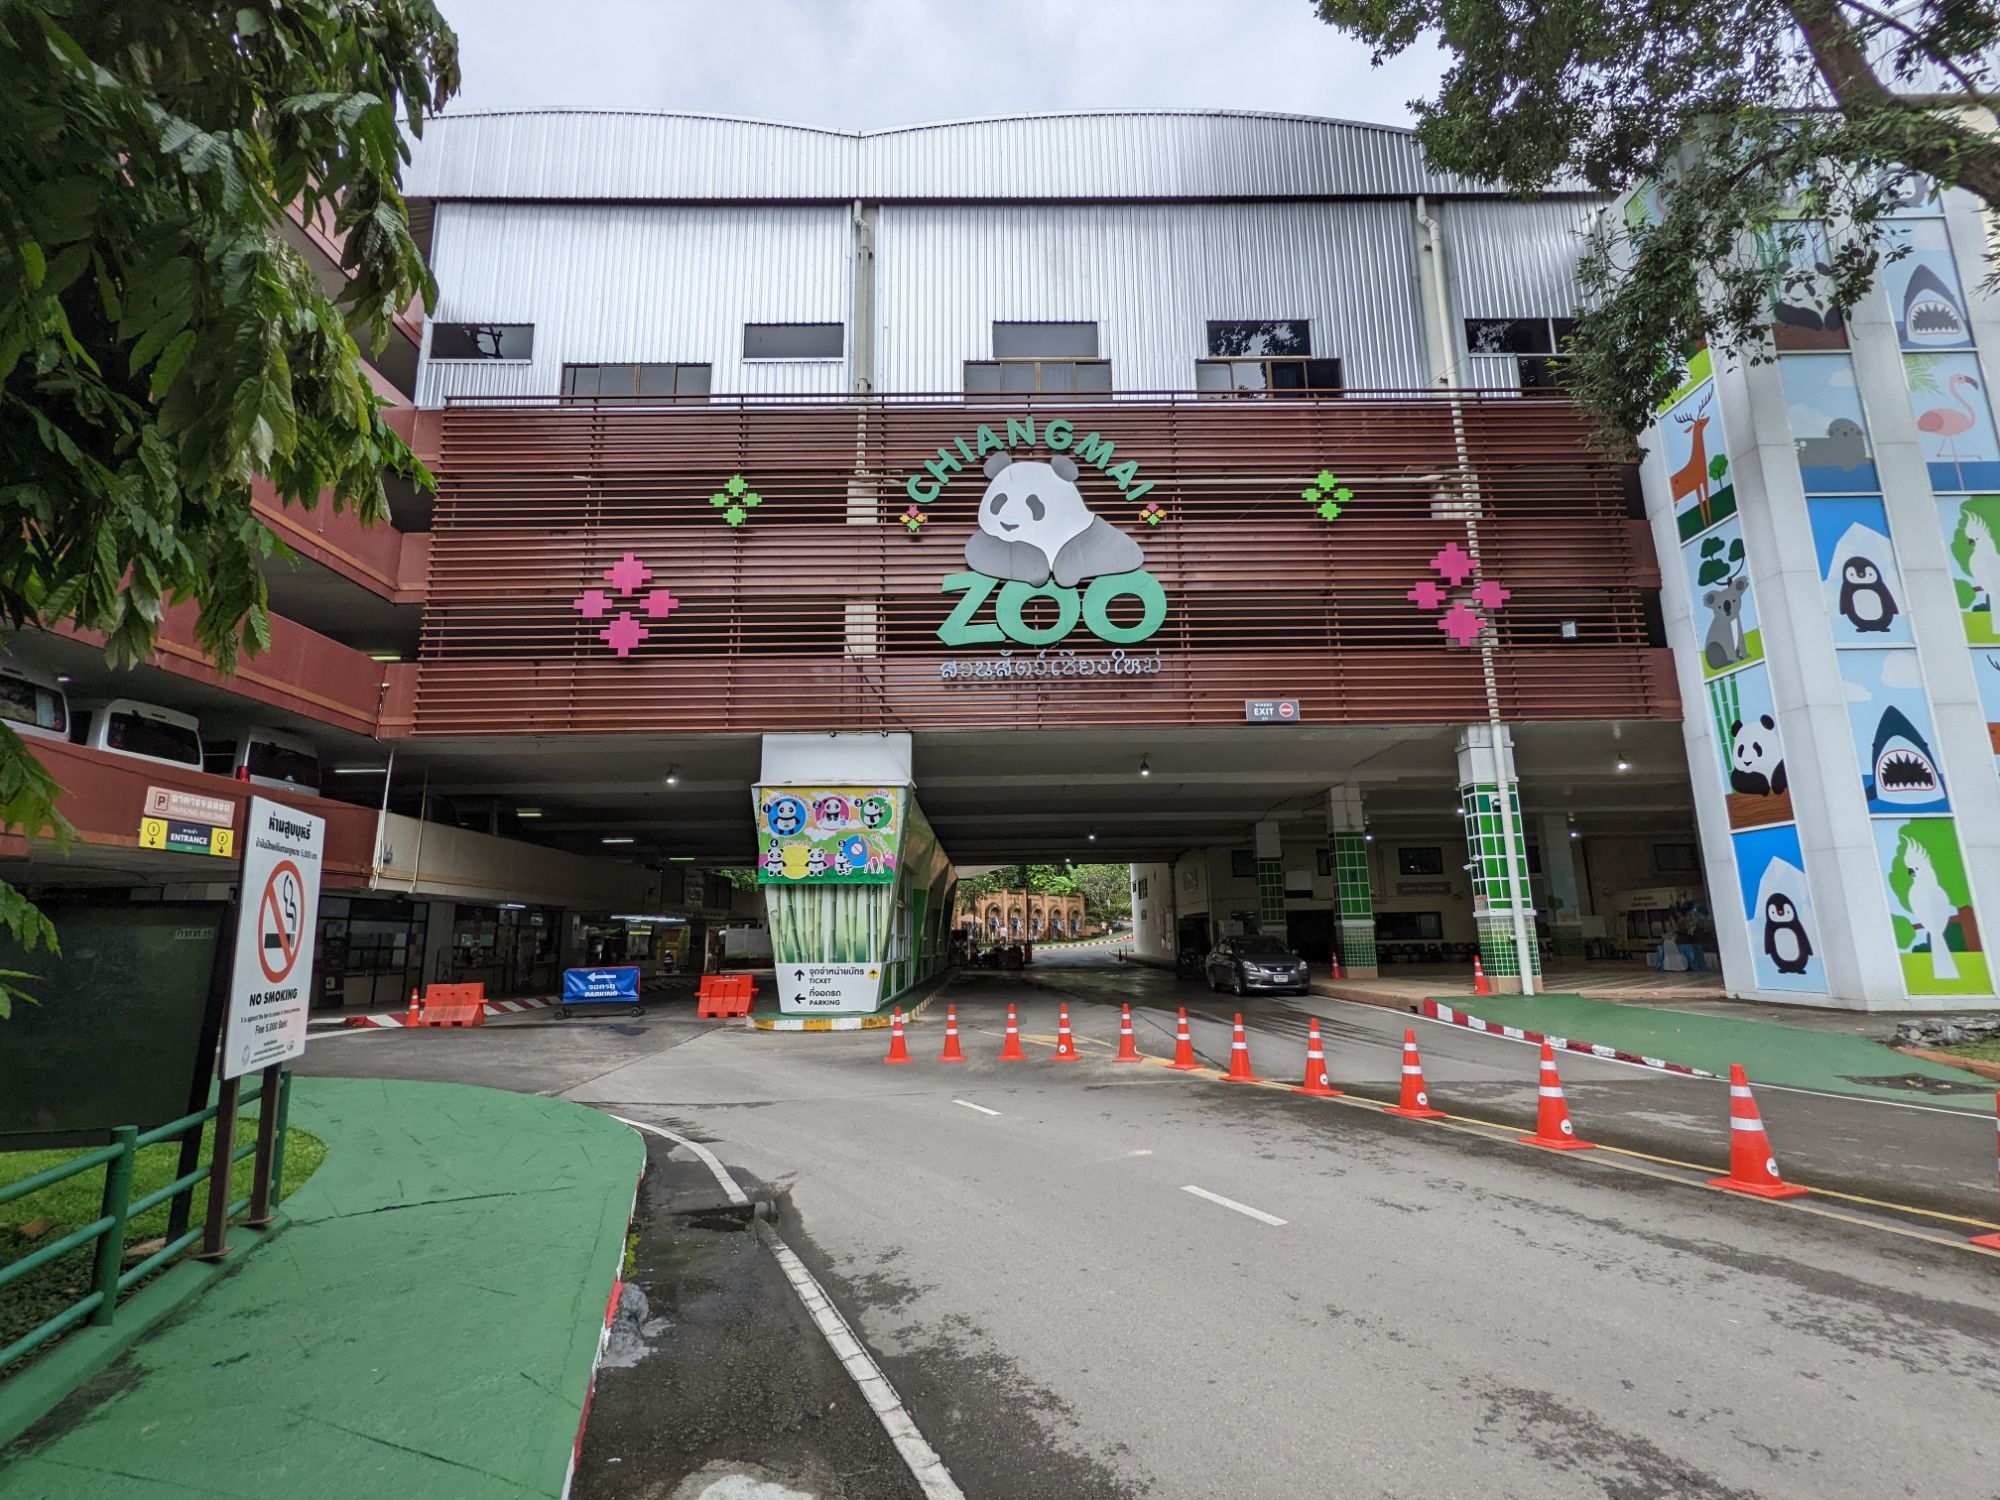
[[1038, 539]]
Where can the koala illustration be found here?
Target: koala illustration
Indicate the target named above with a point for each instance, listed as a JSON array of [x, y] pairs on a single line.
[[1756, 758], [1725, 645], [1034, 526]]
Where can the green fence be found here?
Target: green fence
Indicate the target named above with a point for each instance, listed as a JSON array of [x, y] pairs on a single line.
[[107, 1230]]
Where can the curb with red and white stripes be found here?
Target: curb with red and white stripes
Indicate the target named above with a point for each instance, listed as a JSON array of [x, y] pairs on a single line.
[[603, 1337], [1434, 1011], [492, 1008]]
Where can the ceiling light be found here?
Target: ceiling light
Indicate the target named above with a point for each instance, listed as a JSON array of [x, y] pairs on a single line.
[[1574, 834], [1624, 765], [680, 859], [1367, 838], [1145, 766], [673, 775], [1092, 835], [361, 770], [623, 838], [527, 812], [1568, 628], [63, 678], [385, 656]]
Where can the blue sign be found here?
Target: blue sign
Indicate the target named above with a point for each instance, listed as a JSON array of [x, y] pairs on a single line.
[[601, 986]]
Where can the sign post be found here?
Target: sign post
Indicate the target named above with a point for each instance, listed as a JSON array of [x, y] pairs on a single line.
[[270, 974]]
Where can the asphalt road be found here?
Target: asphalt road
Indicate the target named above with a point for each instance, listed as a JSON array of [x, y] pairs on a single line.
[[1440, 1312]]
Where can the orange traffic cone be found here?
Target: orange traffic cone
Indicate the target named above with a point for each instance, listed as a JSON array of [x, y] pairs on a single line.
[[1065, 1047], [1553, 1131], [1128, 1045], [415, 1014], [1990, 1241], [1317, 1083], [1239, 1058], [951, 1052], [1479, 984], [898, 1051], [1752, 1167], [1184, 1061], [1334, 975], [1011, 1051], [1416, 1100]]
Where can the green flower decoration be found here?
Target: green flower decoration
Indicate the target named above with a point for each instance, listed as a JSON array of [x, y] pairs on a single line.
[[735, 500], [736, 515], [1325, 479], [1329, 509], [1310, 495], [736, 486], [1326, 494]]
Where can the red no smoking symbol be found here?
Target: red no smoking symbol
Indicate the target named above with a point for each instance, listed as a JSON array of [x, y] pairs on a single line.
[[281, 921]]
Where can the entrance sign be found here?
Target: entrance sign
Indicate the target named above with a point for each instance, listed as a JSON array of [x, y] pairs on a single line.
[[828, 987], [1271, 710], [177, 837], [277, 916]]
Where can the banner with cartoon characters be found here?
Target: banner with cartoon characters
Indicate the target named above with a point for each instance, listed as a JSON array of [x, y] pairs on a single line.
[[828, 835]]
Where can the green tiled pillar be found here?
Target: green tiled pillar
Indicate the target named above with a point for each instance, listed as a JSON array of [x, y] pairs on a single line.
[[1353, 890], [1499, 886]]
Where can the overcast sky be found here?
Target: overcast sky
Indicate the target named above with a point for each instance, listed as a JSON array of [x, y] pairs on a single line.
[[865, 64]]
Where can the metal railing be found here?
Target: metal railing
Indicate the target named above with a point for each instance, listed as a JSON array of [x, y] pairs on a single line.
[[118, 1207]]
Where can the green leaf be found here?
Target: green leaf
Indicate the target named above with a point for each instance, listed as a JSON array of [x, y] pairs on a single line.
[[171, 360]]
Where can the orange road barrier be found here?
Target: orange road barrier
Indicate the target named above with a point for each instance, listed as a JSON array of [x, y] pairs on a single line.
[[1239, 1057], [1317, 1083], [1752, 1167], [1479, 984], [1011, 1051], [951, 1052], [899, 1052], [1183, 1048], [1128, 1045], [1065, 1046], [1416, 1099], [453, 1005], [1553, 1130], [1990, 1241]]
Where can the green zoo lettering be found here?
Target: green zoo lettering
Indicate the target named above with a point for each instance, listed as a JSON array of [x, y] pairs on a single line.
[[1093, 608]]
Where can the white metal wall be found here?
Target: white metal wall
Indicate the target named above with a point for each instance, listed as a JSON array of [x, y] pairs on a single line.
[[1150, 276], [619, 283]]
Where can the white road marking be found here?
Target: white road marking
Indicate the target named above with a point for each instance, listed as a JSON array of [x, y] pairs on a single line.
[[980, 1107], [925, 1466], [1242, 1208], [1138, 1153]]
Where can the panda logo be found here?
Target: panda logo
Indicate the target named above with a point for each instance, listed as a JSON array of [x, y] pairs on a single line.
[[1864, 599], [774, 861], [1785, 940], [816, 863], [1034, 526], [832, 812], [875, 813], [786, 815], [1756, 758]]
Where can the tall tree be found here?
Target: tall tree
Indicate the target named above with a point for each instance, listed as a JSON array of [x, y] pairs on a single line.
[[1756, 113], [161, 344]]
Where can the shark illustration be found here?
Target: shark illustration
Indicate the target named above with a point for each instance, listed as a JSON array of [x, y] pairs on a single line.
[[1906, 771], [1931, 314]]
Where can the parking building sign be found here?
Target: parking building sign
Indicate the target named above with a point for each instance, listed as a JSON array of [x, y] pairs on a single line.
[[270, 975]]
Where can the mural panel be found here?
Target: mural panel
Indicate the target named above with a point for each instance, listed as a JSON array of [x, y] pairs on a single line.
[[1858, 572], [1802, 312], [1828, 427], [1753, 751], [1930, 904], [1925, 296], [1894, 735], [1778, 910], [1986, 667], [1972, 536], [1954, 421], [828, 835], [1697, 457], [1725, 606]]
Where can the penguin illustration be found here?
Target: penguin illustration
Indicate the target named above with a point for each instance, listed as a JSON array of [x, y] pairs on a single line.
[[1864, 599], [1785, 940]]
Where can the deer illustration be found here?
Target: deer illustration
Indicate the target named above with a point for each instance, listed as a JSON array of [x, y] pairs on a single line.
[[1692, 477]]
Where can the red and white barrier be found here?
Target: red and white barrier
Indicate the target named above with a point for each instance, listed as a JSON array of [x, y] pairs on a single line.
[[492, 1008], [1435, 1011]]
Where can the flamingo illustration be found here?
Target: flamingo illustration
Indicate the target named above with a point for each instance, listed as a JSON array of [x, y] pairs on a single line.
[[1948, 426]]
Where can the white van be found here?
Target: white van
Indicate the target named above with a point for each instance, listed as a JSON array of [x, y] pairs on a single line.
[[146, 731], [32, 702], [265, 757]]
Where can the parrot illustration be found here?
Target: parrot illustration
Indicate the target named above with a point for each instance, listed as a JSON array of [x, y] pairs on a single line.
[[1984, 564], [1929, 907]]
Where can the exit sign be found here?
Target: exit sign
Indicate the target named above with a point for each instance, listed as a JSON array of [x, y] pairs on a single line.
[[1271, 710]]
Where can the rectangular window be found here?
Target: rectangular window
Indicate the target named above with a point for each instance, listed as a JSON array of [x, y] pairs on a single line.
[[1260, 340], [1243, 864], [1267, 377], [1420, 861], [1142, 887], [1676, 859], [794, 340], [635, 385], [1045, 341], [1535, 345], [482, 340], [1037, 377], [1323, 862], [1409, 926]]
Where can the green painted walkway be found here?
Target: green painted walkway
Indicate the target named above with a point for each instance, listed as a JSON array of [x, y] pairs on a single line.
[[424, 1328], [1770, 1051]]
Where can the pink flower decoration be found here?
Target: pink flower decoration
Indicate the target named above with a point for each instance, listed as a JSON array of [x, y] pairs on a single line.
[[593, 604], [627, 575], [1461, 624], [660, 604], [623, 633], [1453, 564], [1426, 595], [1490, 595]]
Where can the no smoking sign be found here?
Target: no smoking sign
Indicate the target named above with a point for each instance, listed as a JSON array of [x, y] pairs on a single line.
[[281, 922], [270, 979]]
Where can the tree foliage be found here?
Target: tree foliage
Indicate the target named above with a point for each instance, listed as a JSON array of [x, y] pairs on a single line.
[[163, 346], [1105, 888], [1755, 113]]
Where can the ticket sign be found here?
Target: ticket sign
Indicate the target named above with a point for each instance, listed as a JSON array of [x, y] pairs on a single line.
[[270, 976]]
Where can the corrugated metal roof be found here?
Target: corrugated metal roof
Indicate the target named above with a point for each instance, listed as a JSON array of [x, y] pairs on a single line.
[[602, 155]]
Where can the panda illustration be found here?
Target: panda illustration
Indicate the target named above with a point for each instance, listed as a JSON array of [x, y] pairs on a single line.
[[816, 863], [1785, 940], [1034, 526], [1864, 599], [832, 812], [774, 861], [1756, 758], [786, 815], [875, 812]]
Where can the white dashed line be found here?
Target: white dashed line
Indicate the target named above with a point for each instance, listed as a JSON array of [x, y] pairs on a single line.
[[1242, 1208], [980, 1107]]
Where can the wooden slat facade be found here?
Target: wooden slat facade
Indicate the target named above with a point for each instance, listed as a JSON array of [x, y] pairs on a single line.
[[822, 611]]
